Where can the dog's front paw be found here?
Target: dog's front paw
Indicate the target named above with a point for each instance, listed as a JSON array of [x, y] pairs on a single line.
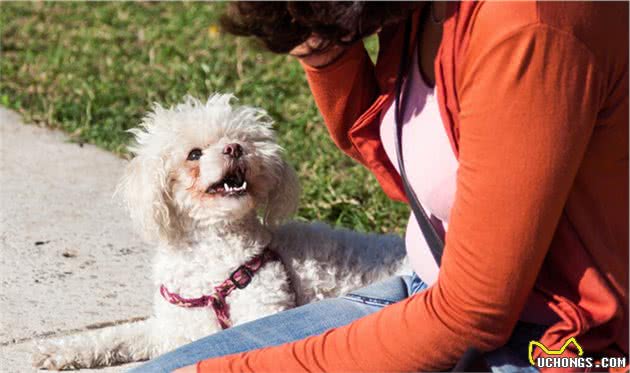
[[54, 356]]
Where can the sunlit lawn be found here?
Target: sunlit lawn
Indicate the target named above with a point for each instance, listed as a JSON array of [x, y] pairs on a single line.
[[93, 69]]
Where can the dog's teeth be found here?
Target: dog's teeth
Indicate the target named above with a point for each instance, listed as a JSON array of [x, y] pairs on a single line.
[[226, 187], [244, 186]]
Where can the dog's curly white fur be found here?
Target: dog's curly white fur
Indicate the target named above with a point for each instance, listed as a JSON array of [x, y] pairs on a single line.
[[178, 194]]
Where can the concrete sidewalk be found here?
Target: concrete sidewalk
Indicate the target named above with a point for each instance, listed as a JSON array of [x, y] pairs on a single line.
[[69, 260]]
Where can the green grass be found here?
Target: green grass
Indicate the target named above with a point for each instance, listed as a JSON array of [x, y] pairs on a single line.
[[94, 69]]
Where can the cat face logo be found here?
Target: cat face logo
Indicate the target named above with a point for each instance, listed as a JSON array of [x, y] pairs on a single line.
[[547, 351]]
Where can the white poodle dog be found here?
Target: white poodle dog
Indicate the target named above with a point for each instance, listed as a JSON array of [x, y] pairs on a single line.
[[208, 185]]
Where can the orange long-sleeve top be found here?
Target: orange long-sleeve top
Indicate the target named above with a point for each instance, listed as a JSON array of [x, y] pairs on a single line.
[[534, 97]]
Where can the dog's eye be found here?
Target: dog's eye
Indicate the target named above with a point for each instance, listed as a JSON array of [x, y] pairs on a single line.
[[194, 154]]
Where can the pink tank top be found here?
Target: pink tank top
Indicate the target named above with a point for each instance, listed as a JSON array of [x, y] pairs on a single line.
[[429, 161]]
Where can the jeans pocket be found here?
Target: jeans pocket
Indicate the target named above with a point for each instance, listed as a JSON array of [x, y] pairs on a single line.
[[416, 285], [371, 301], [381, 294]]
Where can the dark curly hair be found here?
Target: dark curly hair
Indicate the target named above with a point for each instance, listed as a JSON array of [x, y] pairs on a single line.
[[281, 26]]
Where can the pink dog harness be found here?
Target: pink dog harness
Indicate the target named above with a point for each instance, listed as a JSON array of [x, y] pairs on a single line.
[[239, 279]]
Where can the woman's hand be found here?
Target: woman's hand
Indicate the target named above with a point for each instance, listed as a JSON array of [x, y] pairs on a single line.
[[307, 54], [187, 369]]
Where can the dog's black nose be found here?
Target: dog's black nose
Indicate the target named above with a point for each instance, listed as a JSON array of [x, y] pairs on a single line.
[[233, 150]]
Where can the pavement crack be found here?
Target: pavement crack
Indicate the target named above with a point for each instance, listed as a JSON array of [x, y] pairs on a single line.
[[63, 333]]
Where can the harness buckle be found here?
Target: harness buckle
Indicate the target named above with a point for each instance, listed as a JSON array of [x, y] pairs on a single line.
[[245, 277]]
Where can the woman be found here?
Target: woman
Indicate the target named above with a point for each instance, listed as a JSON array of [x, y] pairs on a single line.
[[514, 138]]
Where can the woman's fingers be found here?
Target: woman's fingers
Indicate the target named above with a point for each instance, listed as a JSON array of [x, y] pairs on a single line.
[[187, 369], [308, 52]]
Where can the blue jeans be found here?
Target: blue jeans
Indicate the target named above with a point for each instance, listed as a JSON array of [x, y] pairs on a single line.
[[315, 318]]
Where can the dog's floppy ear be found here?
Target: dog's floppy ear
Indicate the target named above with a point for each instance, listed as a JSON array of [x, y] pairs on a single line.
[[283, 199], [145, 191]]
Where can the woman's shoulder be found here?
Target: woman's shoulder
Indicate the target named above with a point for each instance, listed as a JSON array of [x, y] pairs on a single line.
[[602, 27]]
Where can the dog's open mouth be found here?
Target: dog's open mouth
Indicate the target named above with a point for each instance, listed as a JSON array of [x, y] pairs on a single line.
[[232, 184]]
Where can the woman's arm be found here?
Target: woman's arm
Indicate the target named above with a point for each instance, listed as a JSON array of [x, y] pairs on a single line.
[[528, 106], [343, 91]]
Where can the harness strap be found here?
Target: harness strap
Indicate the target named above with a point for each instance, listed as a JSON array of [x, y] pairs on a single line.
[[239, 279]]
